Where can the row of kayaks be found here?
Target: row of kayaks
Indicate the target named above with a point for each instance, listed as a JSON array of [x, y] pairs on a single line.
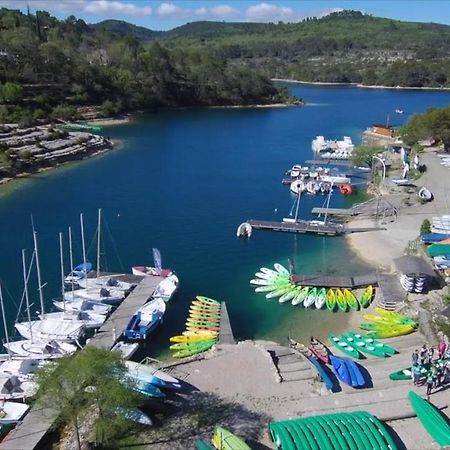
[[356, 345], [387, 324], [202, 328], [276, 283], [223, 439]]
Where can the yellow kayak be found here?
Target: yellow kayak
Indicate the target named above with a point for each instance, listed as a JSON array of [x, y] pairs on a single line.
[[193, 338]]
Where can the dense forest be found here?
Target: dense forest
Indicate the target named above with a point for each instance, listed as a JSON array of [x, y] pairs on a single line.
[[48, 68]]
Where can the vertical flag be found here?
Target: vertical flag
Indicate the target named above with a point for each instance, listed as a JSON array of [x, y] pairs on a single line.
[[157, 260]]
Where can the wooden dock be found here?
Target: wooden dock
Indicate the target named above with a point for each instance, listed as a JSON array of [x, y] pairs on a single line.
[[225, 333], [29, 433], [349, 282]]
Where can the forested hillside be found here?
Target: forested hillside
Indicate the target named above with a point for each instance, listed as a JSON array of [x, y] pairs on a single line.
[[50, 67]]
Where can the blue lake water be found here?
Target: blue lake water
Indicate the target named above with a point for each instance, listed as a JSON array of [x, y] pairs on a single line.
[[182, 181]]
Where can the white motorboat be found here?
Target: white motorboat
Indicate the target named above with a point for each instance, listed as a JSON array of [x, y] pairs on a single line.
[[166, 288], [89, 319], [12, 412], [244, 230], [40, 350], [102, 295], [78, 305], [297, 186], [108, 282]]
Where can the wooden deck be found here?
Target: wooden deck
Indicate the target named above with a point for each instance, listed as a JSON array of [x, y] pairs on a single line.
[[29, 433], [335, 281], [225, 333]]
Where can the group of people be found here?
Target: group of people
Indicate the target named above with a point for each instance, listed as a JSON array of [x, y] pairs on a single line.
[[434, 372]]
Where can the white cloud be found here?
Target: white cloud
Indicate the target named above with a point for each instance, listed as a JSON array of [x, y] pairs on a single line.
[[170, 10]]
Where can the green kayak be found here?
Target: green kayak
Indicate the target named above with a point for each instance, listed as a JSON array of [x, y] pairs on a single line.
[[340, 298], [367, 339], [192, 350], [344, 347], [363, 347], [188, 345], [432, 419]]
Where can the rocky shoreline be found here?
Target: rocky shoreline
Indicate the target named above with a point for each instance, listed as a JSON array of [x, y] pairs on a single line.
[[35, 149]]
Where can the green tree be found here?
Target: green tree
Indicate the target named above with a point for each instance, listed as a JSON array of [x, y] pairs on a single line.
[[88, 384]]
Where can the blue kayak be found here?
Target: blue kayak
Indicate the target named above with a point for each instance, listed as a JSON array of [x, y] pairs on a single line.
[[341, 369], [322, 372], [356, 376]]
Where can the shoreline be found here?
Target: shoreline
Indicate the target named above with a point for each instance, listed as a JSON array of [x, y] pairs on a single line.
[[362, 86]]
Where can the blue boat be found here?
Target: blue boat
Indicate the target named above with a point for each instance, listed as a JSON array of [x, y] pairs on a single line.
[[145, 320], [341, 369], [322, 372], [356, 376], [431, 238]]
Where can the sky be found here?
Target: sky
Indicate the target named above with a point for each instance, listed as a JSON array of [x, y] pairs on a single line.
[[163, 15]]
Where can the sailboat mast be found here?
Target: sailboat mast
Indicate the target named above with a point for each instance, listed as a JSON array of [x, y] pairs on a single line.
[[25, 284], [298, 204], [61, 258], [4, 318], [82, 240], [98, 241], [38, 271]]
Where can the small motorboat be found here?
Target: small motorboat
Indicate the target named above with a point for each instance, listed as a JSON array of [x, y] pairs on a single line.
[[425, 194], [244, 230]]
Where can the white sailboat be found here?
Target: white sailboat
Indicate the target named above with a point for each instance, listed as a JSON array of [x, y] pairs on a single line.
[[47, 328]]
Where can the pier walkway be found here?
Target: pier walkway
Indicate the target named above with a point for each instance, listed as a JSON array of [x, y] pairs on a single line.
[[335, 281], [29, 433]]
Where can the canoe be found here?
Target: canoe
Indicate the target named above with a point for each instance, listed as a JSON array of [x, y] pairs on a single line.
[[321, 298], [226, 440], [432, 419], [340, 369], [205, 305], [340, 299], [344, 347], [311, 298], [331, 300], [386, 348], [320, 350], [355, 373], [280, 269], [300, 297], [203, 299], [392, 315], [191, 351], [350, 299], [193, 338], [364, 347], [190, 345], [367, 296]]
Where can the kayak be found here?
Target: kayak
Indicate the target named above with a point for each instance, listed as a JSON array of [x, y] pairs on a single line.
[[367, 296], [350, 299], [432, 419], [340, 369], [300, 296], [367, 339], [364, 347], [344, 347], [340, 299], [205, 305], [320, 350], [193, 338], [321, 298], [311, 298], [188, 345], [203, 299], [331, 300], [226, 440], [191, 351], [388, 321], [282, 270]]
